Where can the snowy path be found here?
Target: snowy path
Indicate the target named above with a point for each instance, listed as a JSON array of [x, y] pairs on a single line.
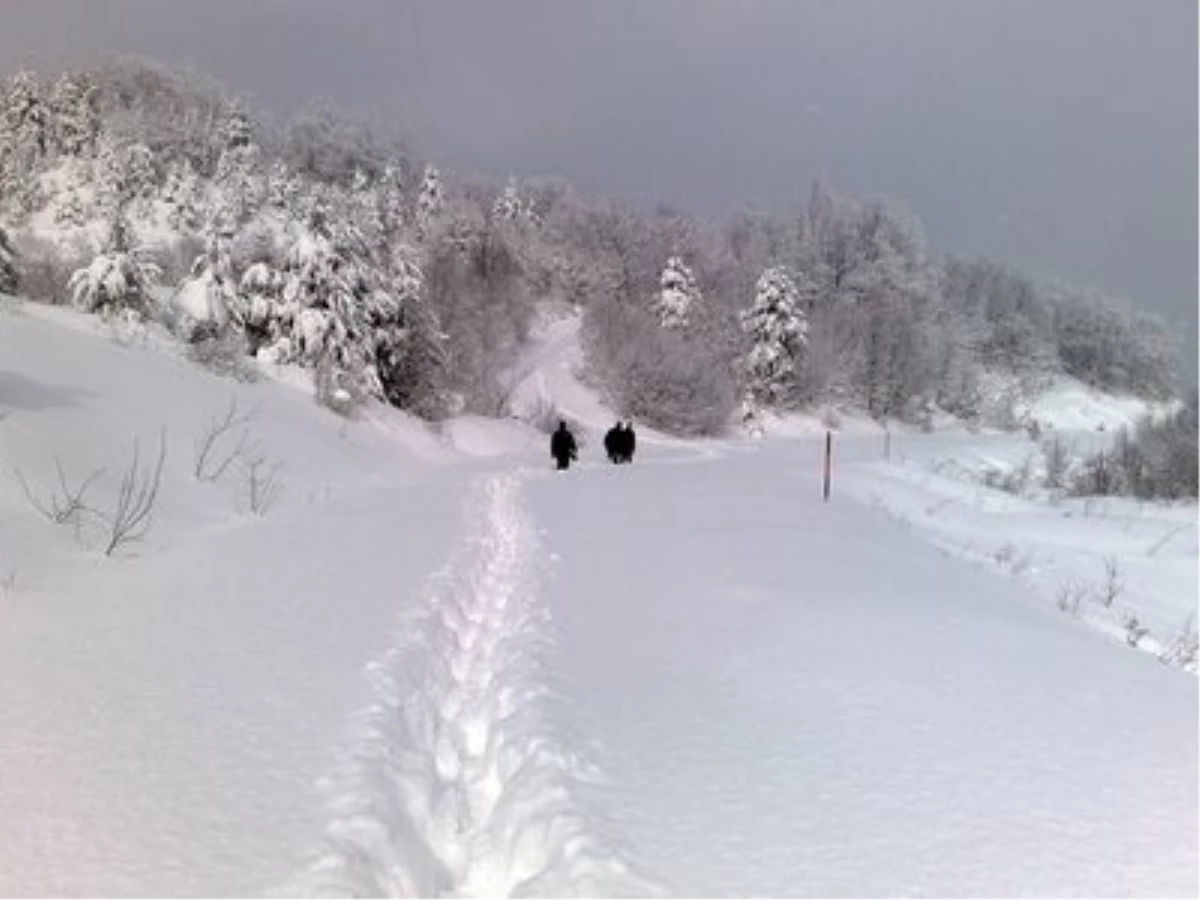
[[456, 785], [795, 698]]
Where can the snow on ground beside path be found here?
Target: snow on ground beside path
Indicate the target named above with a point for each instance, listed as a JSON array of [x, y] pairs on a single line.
[[1106, 560], [165, 714], [793, 698]]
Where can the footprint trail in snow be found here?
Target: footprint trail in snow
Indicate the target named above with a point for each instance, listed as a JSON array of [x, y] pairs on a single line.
[[456, 786]]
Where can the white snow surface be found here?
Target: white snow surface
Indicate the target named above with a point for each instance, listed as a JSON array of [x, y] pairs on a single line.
[[436, 667]]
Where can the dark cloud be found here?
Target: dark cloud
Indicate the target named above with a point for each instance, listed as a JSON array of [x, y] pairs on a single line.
[[1060, 136]]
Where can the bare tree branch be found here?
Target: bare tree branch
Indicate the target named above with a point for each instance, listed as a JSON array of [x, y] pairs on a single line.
[[65, 507], [209, 463], [133, 513], [263, 482]]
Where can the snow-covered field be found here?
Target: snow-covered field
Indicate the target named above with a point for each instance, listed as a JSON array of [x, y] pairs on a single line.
[[433, 666]]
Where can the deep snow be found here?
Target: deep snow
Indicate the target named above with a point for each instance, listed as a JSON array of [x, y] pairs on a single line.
[[435, 666]]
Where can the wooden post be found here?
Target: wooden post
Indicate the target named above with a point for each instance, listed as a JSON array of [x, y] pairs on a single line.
[[887, 442], [828, 463]]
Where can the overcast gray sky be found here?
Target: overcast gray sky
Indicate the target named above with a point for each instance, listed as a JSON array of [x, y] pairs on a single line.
[[1059, 135]]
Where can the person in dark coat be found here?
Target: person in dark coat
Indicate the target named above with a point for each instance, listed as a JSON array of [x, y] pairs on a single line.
[[563, 447], [629, 440], [613, 441]]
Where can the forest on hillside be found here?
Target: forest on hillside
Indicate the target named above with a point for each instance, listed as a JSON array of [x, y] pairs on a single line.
[[146, 194]]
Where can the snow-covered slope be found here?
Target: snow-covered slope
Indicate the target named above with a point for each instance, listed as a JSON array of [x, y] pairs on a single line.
[[434, 666]]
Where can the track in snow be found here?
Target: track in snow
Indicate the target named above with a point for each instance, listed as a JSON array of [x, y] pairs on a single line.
[[456, 786]]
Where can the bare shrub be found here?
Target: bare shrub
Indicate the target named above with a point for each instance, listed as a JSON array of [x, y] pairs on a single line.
[[133, 509], [1113, 585], [216, 447], [1134, 631], [68, 504], [1070, 597], [1184, 649], [262, 481]]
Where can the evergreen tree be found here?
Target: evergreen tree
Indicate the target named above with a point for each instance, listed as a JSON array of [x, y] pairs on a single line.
[[677, 295], [119, 278], [76, 120], [26, 120], [391, 200], [8, 265], [508, 207], [238, 188], [429, 201], [777, 332]]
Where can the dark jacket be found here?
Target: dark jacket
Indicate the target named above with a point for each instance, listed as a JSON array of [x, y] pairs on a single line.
[[562, 444]]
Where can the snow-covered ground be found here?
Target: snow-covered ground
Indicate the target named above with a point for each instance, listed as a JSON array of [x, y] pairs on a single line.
[[433, 666]]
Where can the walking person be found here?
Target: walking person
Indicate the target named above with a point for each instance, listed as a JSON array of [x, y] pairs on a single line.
[[563, 447], [613, 441], [629, 440]]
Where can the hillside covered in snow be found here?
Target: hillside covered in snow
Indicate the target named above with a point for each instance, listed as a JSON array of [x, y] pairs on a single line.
[[147, 195]]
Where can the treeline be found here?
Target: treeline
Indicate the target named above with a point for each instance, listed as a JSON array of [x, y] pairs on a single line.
[[141, 192]]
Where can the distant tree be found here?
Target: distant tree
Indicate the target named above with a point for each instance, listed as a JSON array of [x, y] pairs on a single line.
[[26, 120], [430, 201], [777, 332], [677, 295], [508, 206], [8, 265], [183, 195], [75, 116], [119, 278]]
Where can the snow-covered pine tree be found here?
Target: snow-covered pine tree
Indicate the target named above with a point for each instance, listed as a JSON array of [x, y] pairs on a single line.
[[364, 209], [259, 311], [412, 363], [777, 331], [391, 199], [75, 117], [26, 120], [507, 207], [238, 189], [429, 201], [677, 295], [283, 187], [119, 278], [8, 265], [71, 211], [204, 300], [182, 194]]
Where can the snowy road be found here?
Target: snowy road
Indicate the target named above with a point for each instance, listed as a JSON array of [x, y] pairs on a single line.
[[792, 698]]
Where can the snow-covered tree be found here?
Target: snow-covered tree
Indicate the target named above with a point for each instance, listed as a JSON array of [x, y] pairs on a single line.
[[430, 200], [119, 278], [8, 265], [412, 357], [203, 302], [76, 120], [677, 295], [259, 310], [25, 120], [71, 211], [238, 187], [364, 209], [777, 332], [508, 206], [183, 195], [283, 187], [391, 199]]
